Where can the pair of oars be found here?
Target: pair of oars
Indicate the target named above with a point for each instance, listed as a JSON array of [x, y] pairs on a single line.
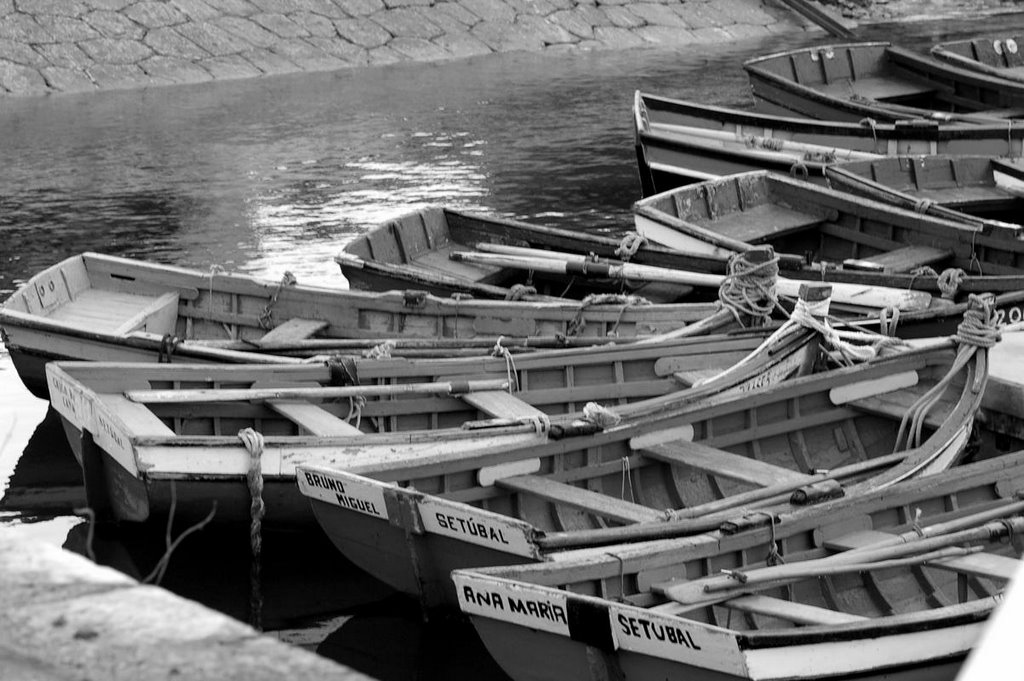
[[570, 264], [925, 545]]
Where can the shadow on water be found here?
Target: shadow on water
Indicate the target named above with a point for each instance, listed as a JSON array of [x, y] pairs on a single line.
[[278, 173]]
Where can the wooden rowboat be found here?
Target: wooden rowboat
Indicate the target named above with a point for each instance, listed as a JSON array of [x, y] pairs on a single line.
[[893, 584], [680, 142], [844, 238], [98, 307], [879, 81], [143, 430], [999, 57], [410, 521], [414, 250], [976, 190]]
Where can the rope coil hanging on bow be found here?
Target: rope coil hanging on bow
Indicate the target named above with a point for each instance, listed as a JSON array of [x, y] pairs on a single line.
[[749, 287]]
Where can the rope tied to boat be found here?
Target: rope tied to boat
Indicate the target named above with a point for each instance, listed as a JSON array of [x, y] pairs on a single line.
[[799, 168], [873, 124], [512, 375], [627, 479], [978, 330], [578, 323], [849, 346], [629, 245], [770, 143], [600, 416], [749, 288], [380, 351], [888, 320], [520, 291], [168, 344], [288, 279], [355, 409], [253, 442], [214, 269], [923, 205], [342, 370], [978, 327], [949, 282]]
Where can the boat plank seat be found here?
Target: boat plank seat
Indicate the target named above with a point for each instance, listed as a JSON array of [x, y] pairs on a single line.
[[901, 260], [800, 613], [722, 463], [881, 89], [596, 503], [317, 420], [117, 311], [990, 565], [759, 224], [501, 404], [139, 419], [295, 329]]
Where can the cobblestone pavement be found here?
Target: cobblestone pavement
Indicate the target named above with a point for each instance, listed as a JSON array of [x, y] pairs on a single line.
[[53, 46]]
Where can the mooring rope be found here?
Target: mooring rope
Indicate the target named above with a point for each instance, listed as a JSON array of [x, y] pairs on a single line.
[[520, 291], [355, 409], [749, 288], [253, 442], [288, 279], [873, 124], [600, 416], [869, 345], [168, 344], [629, 245], [627, 480], [579, 322], [380, 351], [511, 374], [888, 320]]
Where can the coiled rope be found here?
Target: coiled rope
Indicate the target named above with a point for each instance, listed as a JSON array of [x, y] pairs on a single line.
[[749, 288], [380, 351], [253, 442], [578, 323], [948, 281], [288, 279], [629, 245], [520, 291], [868, 345], [977, 330], [600, 416]]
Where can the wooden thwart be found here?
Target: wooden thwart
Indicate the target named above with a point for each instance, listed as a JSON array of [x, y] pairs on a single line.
[[900, 260], [501, 404], [316, 420], [577, 497], [725, 464], [294, 329]]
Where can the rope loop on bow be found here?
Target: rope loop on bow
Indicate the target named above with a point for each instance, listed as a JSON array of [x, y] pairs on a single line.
[[629, 245], [749, 288]]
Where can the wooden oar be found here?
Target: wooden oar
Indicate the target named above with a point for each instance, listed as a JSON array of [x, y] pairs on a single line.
[[578, 265], [398, 344], [262, 394], [707, 591]]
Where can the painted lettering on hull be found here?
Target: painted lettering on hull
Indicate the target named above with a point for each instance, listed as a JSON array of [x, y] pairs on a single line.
[[544, 610], [476, 526], [347, 491], [674, 638]]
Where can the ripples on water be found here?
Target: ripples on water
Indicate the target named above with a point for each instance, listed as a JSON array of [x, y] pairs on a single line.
[[277, 174]]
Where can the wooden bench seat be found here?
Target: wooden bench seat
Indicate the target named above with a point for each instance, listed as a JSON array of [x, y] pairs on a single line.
[[315, 419], [294, 329], [722, 463], [501, 404], [901, 260], [578, 497], [990, 565]]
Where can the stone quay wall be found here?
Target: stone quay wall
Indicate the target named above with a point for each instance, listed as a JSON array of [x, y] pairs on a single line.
[[69, 46]]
